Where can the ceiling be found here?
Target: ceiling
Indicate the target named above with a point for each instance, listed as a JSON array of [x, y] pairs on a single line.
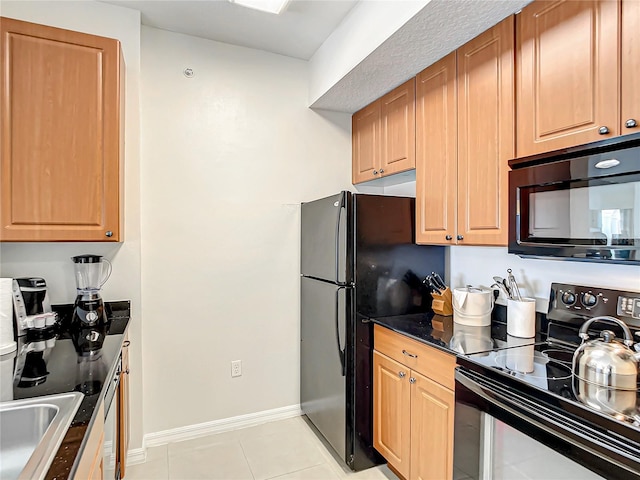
[[297, 32]]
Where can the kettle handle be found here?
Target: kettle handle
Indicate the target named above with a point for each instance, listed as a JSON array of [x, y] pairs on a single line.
[[584, 335]]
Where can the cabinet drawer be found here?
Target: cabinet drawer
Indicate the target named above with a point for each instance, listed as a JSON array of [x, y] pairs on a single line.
[[429, 361]]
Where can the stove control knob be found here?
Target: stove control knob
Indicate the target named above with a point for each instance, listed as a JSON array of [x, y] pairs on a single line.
[[589, 299], [568, 298]]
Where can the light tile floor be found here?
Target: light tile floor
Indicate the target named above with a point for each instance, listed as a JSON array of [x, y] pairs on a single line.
[[284, 450]]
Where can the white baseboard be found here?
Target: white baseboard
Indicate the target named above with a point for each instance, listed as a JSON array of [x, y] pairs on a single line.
[[208, 428], [136, 456]]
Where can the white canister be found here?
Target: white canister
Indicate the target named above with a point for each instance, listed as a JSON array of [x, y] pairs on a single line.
[[521, 317], [472, 306]]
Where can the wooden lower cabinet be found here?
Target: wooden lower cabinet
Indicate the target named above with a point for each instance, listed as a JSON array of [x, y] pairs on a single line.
[[123, 409], [413, 414], [392, 412], [90, 465], [431, 429]]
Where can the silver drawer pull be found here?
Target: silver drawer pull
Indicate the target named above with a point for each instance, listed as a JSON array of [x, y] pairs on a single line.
[[401, 374], [412, 380], [404, 352]]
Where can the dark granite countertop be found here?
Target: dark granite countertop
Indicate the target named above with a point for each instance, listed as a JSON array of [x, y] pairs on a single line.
[[443, 333], [60, 363]]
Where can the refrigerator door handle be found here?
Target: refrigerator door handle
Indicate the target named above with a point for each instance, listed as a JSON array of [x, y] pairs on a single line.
[[341, 351], [338, 218]]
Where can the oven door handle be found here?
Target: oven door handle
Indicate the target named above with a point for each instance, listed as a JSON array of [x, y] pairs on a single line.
[[550, 421]]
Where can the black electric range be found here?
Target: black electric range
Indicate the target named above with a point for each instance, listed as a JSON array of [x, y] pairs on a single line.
[[531, 388]]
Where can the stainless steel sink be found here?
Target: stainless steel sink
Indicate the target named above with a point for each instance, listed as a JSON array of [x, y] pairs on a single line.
[[31, 431]]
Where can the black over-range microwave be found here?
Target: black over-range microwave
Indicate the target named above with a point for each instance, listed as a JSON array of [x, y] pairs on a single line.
[[579, 203]]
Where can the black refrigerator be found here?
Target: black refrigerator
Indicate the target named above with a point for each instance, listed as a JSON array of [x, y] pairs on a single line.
[[358, 261]]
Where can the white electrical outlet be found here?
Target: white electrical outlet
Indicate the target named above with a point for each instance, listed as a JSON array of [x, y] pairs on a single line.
[[236, 368]]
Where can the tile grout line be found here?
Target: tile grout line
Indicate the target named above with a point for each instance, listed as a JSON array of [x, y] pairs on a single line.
[[244, 454]]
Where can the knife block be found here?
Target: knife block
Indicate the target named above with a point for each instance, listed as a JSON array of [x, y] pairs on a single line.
[[442, 303]]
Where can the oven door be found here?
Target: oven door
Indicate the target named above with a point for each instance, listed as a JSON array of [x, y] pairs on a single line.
[[504, 434]]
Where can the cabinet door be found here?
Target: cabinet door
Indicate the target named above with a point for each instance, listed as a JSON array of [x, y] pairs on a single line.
[[630, 67], [61, 136], [486, 135], [391, 412], [398, 127], [436, 134], [365, 141], [567, 74], [90, 464], [432, 408], [123, 409]]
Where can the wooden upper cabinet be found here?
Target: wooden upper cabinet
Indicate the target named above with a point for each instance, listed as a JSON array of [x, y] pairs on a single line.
[[630, 67], [383, 135], [465, 135], [567, 74], [486, 134], [366, 143], [436, 152], [398, 127], [61, 162]]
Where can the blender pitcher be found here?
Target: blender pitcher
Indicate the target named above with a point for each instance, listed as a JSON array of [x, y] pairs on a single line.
[[91, 272]]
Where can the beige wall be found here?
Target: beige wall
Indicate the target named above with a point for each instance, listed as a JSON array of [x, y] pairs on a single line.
[[52, 260], [227, 157]]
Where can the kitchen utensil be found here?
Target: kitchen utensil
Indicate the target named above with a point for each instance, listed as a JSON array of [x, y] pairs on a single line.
[[502, 289], [439, 282], [513, 285], [435, 288], [502, 283], [605, 361], [521, 317], [91, 271]]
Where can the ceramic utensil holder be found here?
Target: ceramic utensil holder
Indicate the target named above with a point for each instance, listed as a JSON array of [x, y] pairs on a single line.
[[521, 317], [442, 303]]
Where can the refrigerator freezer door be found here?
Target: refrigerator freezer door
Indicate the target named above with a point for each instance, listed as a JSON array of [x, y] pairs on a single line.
[[323, 248], [323, 325]]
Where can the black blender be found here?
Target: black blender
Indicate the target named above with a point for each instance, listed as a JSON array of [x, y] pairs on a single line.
[[92, 271]]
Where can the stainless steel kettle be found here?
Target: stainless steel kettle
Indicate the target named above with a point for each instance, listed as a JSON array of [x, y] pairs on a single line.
[[605, 361]]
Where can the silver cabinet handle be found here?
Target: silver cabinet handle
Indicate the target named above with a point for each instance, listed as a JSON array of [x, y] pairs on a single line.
[[448, 237], [603, 130], [460, 237], [109, 233], [375, 172], [412, 380], [631, 123], [404, 352], [381, 171], [402, 374]]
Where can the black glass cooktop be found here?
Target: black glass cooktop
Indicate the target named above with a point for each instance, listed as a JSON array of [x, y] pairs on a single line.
[[548, 367]]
